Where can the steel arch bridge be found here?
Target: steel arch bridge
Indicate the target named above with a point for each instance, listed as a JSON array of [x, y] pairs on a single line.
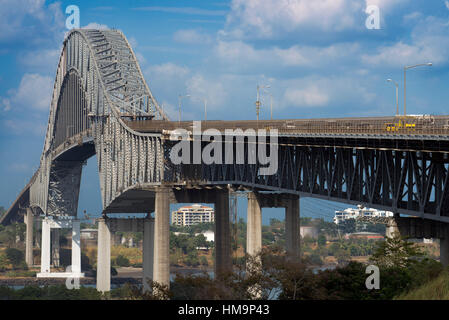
[[98, 84], [101, 105]]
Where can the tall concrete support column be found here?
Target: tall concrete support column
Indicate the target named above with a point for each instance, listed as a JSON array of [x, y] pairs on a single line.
[[254, 225], [55, 247], [223, 262], [292, 227], [161, 271], [45, 246], [444, 247], [29, 221], [76, 247], [148, 252], [104, 256]]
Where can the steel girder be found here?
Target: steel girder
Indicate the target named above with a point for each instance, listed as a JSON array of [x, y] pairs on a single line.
[[412, 182]]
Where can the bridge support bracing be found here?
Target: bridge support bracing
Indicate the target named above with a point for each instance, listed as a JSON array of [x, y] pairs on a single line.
[[161, 271], [103, 256], [29, 221], [55, 247], [254, 225], [292, 227], [223, 262], [148, 252]]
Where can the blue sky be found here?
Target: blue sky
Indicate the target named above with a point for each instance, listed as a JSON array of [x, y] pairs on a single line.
[[317, 55]]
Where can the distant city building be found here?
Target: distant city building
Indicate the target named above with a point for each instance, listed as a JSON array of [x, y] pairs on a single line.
[[360, 211], [190, 215], [364, 235], [89, 234], [308, 231]]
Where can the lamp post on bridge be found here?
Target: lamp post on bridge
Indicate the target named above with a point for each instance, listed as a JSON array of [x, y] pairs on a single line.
[[429, 64], [179, 103], [397, 95], [258, 99]]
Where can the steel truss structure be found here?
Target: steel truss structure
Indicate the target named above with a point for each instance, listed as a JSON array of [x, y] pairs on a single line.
[[98, 84], [399, 180]]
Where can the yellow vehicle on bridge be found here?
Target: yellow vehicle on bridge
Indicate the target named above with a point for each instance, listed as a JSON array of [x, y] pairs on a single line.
[[401, 125]]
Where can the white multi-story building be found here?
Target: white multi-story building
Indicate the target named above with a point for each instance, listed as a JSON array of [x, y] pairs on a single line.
[[360, 211], [190, 215]]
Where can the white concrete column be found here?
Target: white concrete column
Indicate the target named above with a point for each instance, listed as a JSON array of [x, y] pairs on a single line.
[[45, 246], [104, 256], [254, 225], [29, 221], [161, 271], [223, 262], [148, 252], [76, 247], [292, 227], [392, 228], [55, 247], [444, 247]]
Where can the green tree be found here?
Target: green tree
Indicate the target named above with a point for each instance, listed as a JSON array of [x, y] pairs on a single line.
[[15, 257], [396, 251], [200, 241], [121, 261], [321, 240]]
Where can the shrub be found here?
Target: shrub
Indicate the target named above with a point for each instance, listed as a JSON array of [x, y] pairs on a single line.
[[121, 261]]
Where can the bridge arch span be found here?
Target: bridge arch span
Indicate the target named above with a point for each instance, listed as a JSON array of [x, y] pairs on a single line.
[[98, 84]]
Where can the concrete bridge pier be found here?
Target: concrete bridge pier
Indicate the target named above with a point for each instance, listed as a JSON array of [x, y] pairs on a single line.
[[29, 221], [254, 225], [223, 262], [292, 226], [148, 252], [104, 256], [45, 246], [161, 266], [392, 228], [76, 247]]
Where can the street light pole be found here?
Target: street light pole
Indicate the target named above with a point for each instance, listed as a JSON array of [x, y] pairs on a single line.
[[179, 104], [429, 64], [271, 106], [258, 99]]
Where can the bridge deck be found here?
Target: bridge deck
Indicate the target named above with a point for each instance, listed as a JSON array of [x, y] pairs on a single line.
[[393, 127]]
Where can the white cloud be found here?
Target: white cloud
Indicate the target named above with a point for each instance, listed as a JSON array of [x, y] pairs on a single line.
[[429, 43], [34, 92], [30, 21], [273, 17], [43, 60], [201, 88], [307, 97], [446, 3], [275, 57], [191, 36], [94, 25], [167, 70], [277, 18], [6, 104]]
